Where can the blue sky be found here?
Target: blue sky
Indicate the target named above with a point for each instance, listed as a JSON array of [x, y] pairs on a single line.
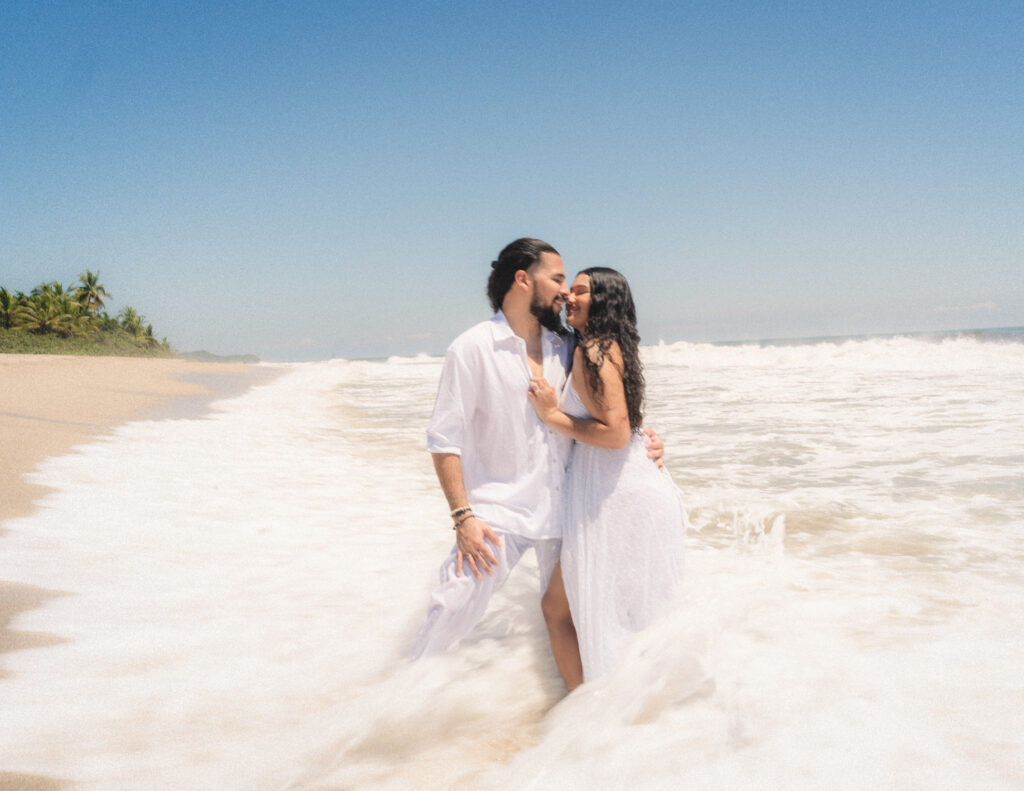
[[308, 180]]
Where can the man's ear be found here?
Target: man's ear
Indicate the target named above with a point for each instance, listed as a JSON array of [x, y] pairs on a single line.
[[522, 279]]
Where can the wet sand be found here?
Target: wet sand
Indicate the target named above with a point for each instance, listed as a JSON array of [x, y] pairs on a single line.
[[48, 405]]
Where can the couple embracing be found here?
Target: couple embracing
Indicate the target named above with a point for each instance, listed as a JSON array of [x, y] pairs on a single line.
[[536, 440]]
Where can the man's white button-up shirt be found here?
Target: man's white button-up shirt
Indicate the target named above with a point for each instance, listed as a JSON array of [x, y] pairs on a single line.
[[512, 464]]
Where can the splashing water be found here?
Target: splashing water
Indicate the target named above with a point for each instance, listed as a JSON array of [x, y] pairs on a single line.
[[242, 590]]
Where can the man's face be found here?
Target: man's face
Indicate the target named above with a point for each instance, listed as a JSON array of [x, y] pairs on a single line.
[[549, 290]]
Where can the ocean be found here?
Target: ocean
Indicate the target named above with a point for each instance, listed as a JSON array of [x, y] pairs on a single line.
[[241, 590]]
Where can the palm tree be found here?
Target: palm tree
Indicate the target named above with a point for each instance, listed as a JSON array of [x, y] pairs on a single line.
[[53, 289], [75, 312], [150, 339], [131, 321], [105, 322], [7, 304], [89, 293], [47, 311]]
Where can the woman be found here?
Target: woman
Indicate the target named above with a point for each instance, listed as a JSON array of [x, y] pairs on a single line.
[[624, 521]]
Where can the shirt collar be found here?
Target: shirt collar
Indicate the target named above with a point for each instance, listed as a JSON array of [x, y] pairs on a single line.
[[501, 330]]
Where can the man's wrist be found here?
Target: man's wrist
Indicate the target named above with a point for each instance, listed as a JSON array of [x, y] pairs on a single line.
[[462, 520]]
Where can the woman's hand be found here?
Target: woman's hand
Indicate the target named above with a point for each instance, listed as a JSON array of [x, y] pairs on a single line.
[[543, 397], [655, 448]]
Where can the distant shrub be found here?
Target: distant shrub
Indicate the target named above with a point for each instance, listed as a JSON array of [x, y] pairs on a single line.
[[101, 345]]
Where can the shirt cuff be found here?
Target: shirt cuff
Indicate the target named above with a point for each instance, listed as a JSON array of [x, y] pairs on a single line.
[[442, 446]]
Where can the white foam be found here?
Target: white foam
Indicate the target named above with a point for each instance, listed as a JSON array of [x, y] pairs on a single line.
[[243, 589]]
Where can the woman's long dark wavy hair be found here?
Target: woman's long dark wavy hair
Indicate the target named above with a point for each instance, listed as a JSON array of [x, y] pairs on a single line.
[[612, 317]]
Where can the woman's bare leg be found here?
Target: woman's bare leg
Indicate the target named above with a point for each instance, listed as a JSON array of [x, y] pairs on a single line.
[[562, 631]]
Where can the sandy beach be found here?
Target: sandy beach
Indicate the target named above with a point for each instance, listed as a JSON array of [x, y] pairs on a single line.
[[50, 404]]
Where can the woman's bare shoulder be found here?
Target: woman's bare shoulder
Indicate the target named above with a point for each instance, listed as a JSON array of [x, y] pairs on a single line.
[[598, 355]]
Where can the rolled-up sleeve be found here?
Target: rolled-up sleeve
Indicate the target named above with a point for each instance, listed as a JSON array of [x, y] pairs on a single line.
[[453, 407]]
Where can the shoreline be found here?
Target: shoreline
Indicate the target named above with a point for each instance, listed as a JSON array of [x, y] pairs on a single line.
[[49, 404]]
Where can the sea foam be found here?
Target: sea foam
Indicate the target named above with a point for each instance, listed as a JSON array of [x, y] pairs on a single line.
[[241, 591]]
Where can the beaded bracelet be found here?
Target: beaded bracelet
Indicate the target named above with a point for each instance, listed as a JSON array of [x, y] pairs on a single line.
[[466, 518], [459, 511]]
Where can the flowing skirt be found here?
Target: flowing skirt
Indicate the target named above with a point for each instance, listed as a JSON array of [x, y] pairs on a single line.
[[622, 547]]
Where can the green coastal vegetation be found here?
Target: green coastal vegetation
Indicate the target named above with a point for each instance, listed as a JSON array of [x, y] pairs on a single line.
[[54, 319]]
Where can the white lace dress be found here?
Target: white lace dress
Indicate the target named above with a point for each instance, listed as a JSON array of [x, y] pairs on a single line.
[[622, 545]]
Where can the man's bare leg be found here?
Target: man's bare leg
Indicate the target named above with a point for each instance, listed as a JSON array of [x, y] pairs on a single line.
[[561, 630]]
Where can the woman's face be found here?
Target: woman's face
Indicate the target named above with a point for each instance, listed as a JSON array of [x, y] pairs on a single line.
[[577, 308]]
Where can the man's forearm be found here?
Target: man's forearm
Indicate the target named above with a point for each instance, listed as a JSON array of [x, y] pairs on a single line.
[[470, 530], [448, 467]]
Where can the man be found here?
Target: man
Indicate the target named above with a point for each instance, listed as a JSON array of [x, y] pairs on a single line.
[[500, 467]]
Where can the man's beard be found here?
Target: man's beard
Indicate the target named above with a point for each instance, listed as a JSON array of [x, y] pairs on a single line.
[[548, 318]]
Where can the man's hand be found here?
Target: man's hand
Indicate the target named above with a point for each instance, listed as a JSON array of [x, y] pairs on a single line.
[[472, 548], [655, 448]]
